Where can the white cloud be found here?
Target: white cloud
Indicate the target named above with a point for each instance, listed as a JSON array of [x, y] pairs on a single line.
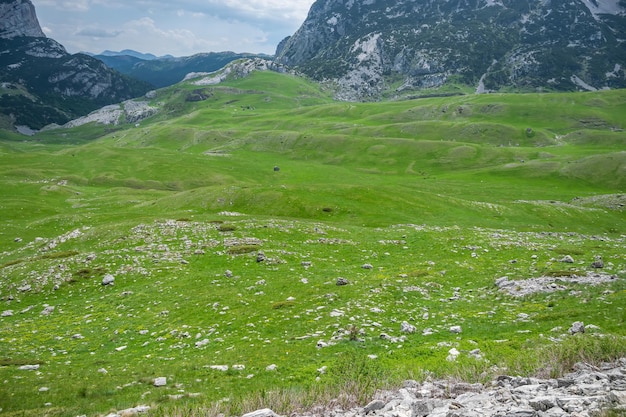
[[176, 27], [98, 33]]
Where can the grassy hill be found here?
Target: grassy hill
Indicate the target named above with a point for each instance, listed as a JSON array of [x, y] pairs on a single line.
[[420, 205]]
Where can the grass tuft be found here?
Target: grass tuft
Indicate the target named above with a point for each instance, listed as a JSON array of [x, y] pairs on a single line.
[[242, 249], [60, 255], [584, 348]]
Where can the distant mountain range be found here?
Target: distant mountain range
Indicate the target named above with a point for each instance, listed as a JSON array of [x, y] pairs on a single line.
[[129, 52], [373, 48], [167, 70]]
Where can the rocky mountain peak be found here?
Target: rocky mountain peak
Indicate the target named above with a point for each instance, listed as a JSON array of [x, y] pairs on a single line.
[[47, 84], [371, 48], [18, 18]]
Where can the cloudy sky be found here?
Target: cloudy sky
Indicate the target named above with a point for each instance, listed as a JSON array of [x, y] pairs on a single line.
[[174, 27]]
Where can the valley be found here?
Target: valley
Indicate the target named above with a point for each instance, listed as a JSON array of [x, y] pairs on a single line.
[[264, 245]]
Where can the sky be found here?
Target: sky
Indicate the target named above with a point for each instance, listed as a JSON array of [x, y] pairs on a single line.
[[171, 27]]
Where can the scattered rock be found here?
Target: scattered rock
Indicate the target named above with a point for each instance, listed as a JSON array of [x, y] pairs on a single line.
[[202, 343], [456, 329], [453, 354], [567, 259], [367, 266], [108, 279], [24, 288], [271, 367], [260, 257], [228, 273], [7, 313], [342, 281], [221, 368], [47, 310], [407, 327], [523, 287], [28, 367], [160, 381], [577, 327], [598, 263]]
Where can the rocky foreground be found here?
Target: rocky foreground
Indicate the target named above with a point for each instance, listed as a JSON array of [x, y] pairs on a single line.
[[589, 391]]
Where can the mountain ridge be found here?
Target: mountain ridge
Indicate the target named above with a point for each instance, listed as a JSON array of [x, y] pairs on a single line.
[[165, 71], [371, 49], [42, 83]]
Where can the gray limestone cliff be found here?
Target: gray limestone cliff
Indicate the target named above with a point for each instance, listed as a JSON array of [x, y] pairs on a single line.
[[18, 18], [375, 48]]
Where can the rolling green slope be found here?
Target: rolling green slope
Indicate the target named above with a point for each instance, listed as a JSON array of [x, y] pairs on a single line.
[[421, 205]]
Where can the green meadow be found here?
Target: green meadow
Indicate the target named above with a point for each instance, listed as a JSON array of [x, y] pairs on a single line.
[[227, 224]]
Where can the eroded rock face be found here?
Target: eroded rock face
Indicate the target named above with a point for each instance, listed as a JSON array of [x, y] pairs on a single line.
[[18, 18], [363, 47]]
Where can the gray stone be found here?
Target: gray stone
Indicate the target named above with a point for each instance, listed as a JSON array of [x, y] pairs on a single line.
[[618, 397], [374, 406], [342, 281], [425, 407], [521, 412], [202, 343], [160, 381], [47, 310], [407, 327], [134, 410], [266, 412], [456, 329], [598, 263], [542, 403], [567, 259], [577, 327], [24, 288], [108, 279]]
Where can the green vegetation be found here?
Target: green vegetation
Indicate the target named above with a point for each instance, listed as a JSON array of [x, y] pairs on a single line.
[[420, 205]]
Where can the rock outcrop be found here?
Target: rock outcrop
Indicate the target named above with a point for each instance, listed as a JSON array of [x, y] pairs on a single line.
[[18, 18], [586, 392]]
